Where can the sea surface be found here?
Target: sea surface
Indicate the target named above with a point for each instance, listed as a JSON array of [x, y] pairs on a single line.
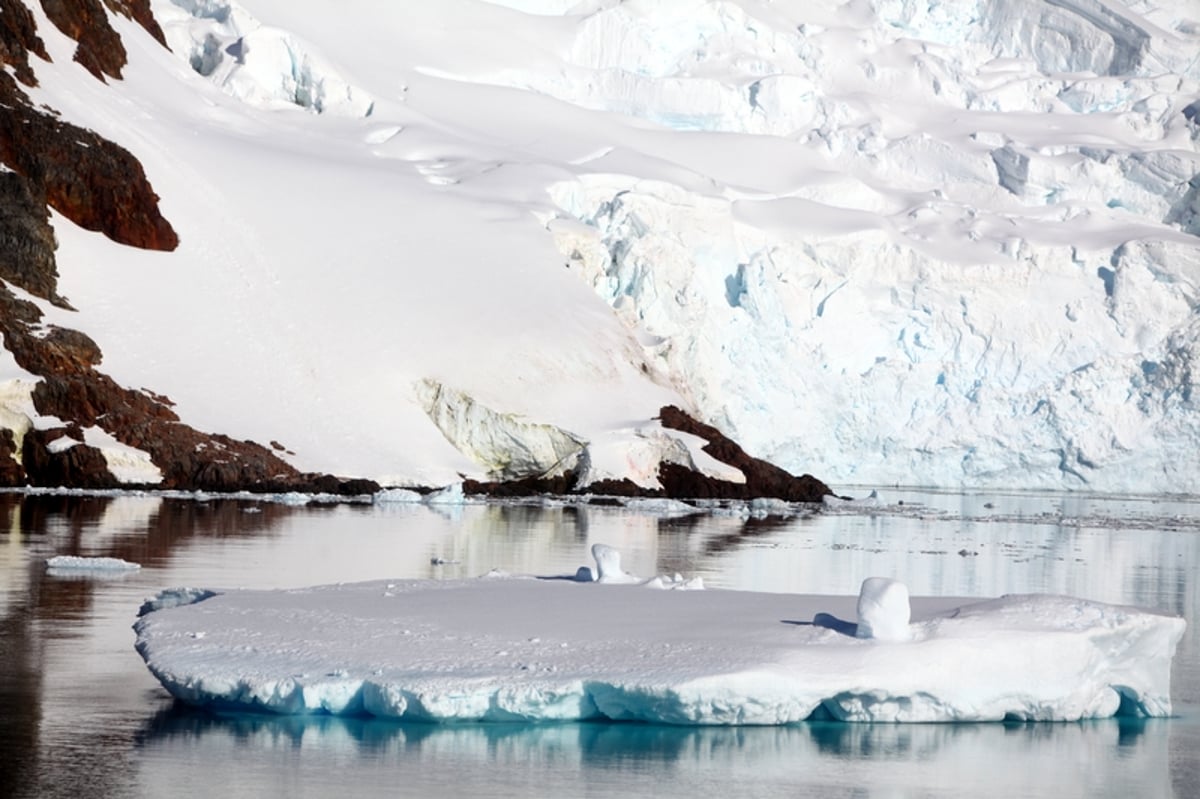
[[80, 716]]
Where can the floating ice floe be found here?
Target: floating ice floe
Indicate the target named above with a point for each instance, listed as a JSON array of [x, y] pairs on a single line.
[[872, 500], [73, 563], [521, 649], [398, 496], [448, 495]]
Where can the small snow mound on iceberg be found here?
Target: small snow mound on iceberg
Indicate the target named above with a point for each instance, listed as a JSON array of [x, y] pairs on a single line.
[[883, 610], [74, 563], [608, 565], [608, 570], [676, 582]]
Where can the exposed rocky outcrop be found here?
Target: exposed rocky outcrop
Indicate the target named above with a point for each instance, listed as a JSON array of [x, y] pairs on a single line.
[[11, 471], [18, 38], [73, 391], [563, 483], [763, 479], [100, 49], [26, 239], [102, 187], [94, 182], [50, 458]]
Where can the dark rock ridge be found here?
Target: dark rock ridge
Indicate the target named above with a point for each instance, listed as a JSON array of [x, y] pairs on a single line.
[[95, 183], [763, 479], [72, 390], [18, 38], [100, 49], [100, 186]]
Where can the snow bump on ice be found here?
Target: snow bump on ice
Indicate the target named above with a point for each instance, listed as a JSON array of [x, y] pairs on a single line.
[[508, 648]]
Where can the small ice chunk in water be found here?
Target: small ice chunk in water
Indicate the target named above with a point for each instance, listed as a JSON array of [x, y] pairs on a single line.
[[883, 610], [75, 563]]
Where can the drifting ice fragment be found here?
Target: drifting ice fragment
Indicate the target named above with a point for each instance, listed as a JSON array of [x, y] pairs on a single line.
[[72, 563]]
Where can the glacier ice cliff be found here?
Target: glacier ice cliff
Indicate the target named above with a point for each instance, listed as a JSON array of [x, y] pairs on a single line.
[[976, 263]]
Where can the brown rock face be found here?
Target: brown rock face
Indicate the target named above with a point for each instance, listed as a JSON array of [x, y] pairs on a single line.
[[18, 38], [95, 183], [26, 239], [92, 181], [78, 465], [100, 49], [71, 389], [763, 479], [11, 471], [139, 11]]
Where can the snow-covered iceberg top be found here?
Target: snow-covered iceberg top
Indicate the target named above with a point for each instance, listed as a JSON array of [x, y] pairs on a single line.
[[517, 649]]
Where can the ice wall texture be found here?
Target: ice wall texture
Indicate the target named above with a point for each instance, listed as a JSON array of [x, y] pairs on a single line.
[[881, 241], [960, 248]]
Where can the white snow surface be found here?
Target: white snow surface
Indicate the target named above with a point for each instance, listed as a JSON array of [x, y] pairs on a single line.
[[881, 242], [504, 648]]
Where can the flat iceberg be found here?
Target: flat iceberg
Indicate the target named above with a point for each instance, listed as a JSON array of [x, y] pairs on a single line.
[[74, 563], [507, 648]]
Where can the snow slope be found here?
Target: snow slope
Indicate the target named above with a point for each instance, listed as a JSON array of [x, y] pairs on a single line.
[[945, 244]]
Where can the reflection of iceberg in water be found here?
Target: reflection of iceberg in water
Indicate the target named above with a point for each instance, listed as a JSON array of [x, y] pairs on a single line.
[[1108, 757]]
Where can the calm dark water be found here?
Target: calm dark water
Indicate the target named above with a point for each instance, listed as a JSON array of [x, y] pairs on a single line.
[[80, 716]]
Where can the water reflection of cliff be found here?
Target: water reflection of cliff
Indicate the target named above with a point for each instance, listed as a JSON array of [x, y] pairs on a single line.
[[41, 614]]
